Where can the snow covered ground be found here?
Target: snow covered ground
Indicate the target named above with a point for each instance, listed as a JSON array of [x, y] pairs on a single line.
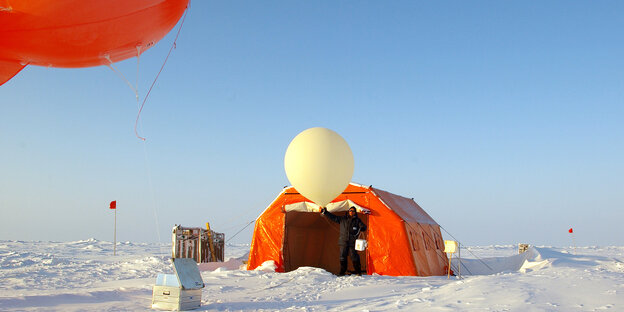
[[85, 276]]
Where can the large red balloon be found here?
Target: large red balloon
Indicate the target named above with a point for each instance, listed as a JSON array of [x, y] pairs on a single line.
[[80, 33]]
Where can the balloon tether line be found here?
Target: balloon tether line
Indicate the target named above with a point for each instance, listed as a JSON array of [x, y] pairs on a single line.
[[138, 47], [173, 45], [112, 67]]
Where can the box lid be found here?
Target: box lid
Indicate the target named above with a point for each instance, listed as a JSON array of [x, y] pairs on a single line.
[[188, 273], [167, 280]]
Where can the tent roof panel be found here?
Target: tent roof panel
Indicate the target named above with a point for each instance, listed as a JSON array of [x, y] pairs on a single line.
[[405, 207]]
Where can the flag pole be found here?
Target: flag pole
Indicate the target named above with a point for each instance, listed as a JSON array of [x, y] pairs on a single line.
[[113, 205], [449, 267], [571, 231], [459, 257], [115, 235]]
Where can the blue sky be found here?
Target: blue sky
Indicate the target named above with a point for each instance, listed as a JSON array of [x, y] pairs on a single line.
[[503, 120]]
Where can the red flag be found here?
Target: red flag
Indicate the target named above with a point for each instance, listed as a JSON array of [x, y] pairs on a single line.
[[570, 231], [113, 205]]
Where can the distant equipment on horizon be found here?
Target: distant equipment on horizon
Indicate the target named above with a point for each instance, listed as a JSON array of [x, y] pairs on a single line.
[[203, 245]]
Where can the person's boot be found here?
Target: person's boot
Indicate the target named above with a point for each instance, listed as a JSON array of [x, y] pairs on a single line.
[[343, 268], [357, 268]]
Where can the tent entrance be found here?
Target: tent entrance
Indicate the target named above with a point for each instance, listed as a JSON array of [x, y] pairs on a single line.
[[312, 240]]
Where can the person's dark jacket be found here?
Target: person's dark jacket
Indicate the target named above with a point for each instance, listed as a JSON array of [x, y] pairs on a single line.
[[350, 228]]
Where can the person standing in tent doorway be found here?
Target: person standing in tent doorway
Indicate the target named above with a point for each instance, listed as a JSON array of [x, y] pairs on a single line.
[[350, 227]]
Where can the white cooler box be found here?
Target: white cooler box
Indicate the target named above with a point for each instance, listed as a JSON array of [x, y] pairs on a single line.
[[179, 291]]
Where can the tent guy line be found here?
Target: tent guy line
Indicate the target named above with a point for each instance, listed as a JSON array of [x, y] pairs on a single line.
[[477, 257], [250, 222]]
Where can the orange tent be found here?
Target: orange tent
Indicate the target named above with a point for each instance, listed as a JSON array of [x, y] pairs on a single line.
[[402, 238]]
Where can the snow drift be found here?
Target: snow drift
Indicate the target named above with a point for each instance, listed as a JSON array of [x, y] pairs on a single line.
[[83, 275]]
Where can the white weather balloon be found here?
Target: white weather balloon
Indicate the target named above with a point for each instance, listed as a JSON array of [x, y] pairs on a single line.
[[319, 164]]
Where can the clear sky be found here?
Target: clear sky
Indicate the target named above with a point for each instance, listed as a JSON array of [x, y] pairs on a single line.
[[503, 120]]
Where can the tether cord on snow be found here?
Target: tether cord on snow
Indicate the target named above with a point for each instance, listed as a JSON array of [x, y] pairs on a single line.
[[274, 286]]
